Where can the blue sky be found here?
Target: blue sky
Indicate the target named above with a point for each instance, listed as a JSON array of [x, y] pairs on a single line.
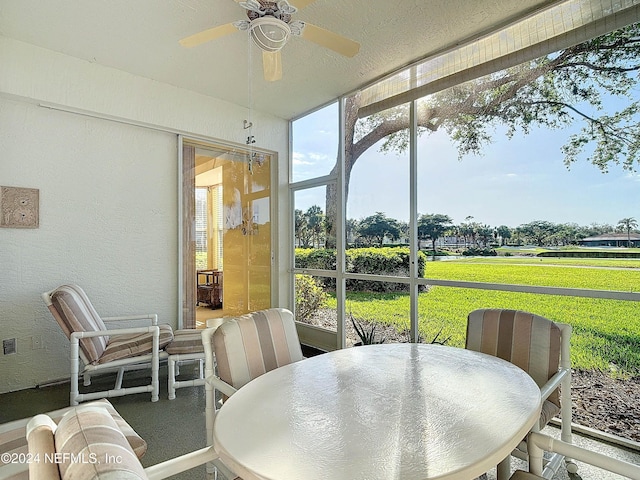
[[514, 181]]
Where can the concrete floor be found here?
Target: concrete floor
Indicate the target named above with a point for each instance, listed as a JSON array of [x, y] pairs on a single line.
[[175, 427]]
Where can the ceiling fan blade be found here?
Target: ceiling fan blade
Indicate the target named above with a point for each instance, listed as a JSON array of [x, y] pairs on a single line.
[[330, 40], [272, 65], [208, 35]]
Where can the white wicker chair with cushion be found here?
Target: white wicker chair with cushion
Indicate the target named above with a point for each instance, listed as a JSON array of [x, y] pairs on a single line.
[[541, 348], [13, 439], [186, 347], [88, 443], [102, 350], [243, 349]]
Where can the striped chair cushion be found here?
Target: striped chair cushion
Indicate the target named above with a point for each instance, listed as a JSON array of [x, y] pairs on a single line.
[[74, 313], [13, 436], [527, 340], [125, 346], [185, 341], [248, 346], [90, 433], [41, 443]]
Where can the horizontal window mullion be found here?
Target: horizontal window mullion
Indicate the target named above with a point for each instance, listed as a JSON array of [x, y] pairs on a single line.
[[376, 278], [313, 182], [315, 272]]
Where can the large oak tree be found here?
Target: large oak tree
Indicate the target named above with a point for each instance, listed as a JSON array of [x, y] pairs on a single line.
[[556, 91]]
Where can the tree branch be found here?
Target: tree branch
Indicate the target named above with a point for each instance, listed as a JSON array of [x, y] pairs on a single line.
[[599, 68], [605, 129]]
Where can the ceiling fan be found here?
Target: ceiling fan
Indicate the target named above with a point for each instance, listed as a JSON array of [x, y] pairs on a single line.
[[270, 26]]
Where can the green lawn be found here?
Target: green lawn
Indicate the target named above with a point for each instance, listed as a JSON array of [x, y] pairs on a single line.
[[564, 261], [606, 332], [536, 273]]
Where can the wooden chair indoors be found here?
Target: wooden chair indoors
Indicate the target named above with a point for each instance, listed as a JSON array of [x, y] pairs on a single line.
[[209, 291], [541, 348]]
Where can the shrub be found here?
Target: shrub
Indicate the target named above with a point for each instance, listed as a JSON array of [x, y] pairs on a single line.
[[389, 261], [310, 297], [321, 258], [482, 252], [367, 334]]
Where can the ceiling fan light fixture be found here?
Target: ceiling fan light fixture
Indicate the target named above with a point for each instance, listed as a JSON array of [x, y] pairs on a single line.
[[269, 33]]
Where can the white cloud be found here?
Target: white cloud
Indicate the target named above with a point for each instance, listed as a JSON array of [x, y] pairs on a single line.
[[312, 158], [318, 156], [299, 158]]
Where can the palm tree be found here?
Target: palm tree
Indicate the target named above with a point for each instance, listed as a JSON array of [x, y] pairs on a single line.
[[628, 224]]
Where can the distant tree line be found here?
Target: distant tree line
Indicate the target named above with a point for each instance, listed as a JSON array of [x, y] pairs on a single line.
[[379, 229]]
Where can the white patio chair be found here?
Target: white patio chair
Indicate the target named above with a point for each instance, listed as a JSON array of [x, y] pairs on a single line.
[[101, 350], [538, 443], [243, 349], [541, 348], [88, 443]]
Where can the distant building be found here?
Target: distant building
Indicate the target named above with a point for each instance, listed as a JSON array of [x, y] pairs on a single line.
[[611, 240]]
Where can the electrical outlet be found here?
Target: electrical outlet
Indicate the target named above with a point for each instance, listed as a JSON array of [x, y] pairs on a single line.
[[9, 346], [36, 342]]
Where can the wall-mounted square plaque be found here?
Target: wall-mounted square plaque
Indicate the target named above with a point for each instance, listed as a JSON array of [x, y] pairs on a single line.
[[19, 207]]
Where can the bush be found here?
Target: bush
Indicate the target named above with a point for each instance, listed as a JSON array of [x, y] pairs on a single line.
[[389, 261], [321, 258], [310, 297], [480, 252]]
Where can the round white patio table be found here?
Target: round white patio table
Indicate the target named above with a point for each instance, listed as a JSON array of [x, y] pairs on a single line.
[[395, 411]]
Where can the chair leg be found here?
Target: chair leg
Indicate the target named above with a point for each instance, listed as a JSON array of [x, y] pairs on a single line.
[[171, 363], [503, 470], [210, 413], [119, 378], [74, 391], [565, 418], [155, 366]]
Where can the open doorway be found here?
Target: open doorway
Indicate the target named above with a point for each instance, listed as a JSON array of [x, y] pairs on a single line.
[[226, 232]]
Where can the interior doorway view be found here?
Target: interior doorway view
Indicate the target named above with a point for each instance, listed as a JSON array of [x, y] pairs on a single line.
[[227, 232]]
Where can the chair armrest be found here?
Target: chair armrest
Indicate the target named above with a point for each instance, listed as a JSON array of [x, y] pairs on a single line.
[[180, 464], [553, 383], [149, 316], [117, 331], [539, 443], [221, 385]]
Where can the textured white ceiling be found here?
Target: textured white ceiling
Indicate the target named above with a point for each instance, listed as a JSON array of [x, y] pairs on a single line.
[[141, 37]]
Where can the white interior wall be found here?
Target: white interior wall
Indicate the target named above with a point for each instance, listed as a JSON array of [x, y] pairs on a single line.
[[108, 194]]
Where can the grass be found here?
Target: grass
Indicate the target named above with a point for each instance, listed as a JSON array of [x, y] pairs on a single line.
[[536, 274], [606, 334], [563, 261]]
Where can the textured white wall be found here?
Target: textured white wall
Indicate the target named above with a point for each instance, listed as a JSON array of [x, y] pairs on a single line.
[[108, 213], [108, 194]]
